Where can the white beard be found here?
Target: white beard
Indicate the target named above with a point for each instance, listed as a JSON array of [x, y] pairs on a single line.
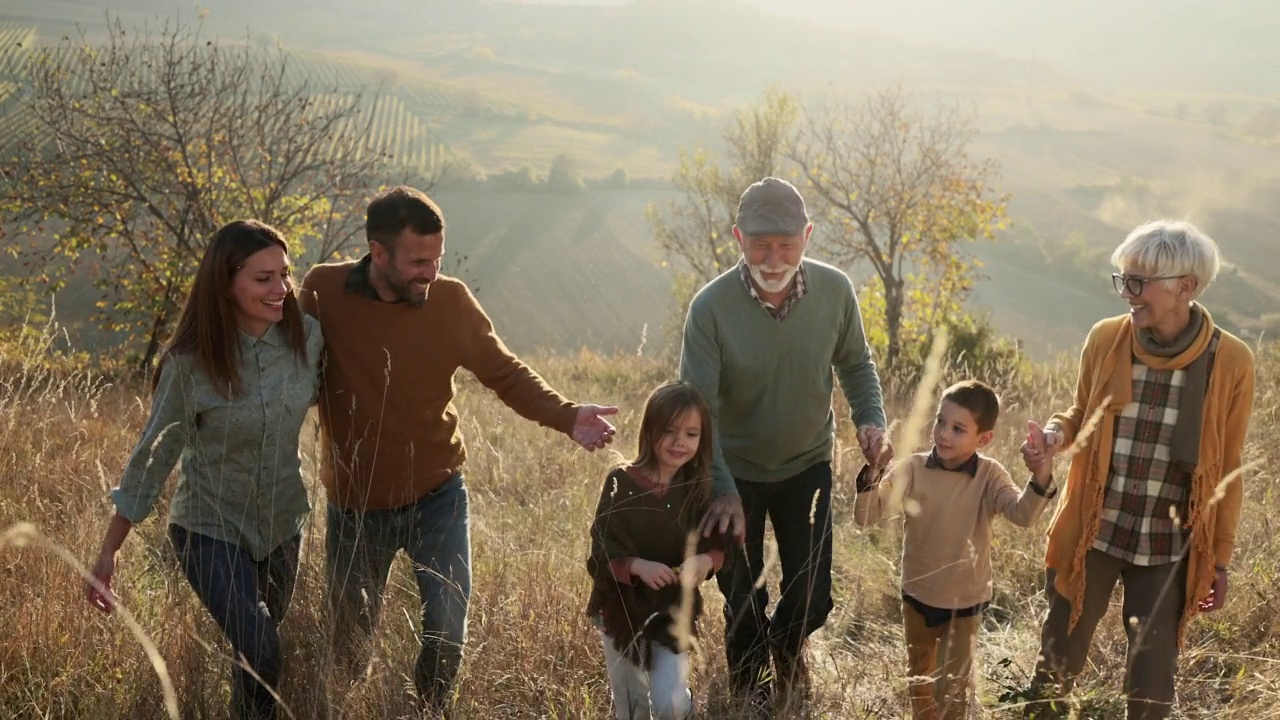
[[773, 286]]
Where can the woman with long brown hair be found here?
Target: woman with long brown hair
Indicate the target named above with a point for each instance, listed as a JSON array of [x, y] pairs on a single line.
[[229, 396]]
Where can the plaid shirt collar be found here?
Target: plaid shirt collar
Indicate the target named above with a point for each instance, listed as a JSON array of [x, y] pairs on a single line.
[[968, 467], [784, 308]]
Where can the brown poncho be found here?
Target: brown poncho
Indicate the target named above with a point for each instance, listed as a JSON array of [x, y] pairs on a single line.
[[634, 521]]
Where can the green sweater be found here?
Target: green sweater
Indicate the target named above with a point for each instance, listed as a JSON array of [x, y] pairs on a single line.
[[769, 382]]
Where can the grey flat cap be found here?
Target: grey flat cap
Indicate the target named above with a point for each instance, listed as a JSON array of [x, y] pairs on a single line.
[[772, 206]]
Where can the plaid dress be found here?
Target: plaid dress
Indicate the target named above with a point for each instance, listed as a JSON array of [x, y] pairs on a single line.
[[1145, 507]]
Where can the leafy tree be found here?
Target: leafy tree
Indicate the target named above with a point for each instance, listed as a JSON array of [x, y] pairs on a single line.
[[148, 141], [895, 187]]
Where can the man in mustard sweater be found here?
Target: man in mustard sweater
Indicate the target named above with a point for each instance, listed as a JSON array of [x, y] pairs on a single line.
[[396, 331], [761, 341]]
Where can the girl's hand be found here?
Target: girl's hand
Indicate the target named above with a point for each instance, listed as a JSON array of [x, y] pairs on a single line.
[[654, 574], [696, 569], [103, 570]]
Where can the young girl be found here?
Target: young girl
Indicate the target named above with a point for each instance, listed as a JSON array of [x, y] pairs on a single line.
[[640, 555], [229, 396]]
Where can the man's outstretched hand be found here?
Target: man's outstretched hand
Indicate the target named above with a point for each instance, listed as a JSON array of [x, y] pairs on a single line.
[[590, 429]]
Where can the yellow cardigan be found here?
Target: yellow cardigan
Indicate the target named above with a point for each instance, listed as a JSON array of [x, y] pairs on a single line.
[[1106, 376]]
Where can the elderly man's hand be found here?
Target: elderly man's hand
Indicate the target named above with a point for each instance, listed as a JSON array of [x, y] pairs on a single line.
[[725, 516], [875, 445]]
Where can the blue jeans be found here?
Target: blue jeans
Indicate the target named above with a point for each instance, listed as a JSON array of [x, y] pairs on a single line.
[[248, 600], [435, 533], [804, 551]]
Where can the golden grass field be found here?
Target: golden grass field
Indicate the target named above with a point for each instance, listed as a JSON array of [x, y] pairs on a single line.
[[65, 435]]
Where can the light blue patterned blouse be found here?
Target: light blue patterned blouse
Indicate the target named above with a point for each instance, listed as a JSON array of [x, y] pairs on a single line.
[[240, 480]]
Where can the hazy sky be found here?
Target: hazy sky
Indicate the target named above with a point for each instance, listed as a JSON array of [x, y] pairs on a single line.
[[1193, 45]]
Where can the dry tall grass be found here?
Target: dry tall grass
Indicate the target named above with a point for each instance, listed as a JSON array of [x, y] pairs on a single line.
[[65, 434]]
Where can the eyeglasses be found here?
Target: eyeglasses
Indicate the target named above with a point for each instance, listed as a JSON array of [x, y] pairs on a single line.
[[1135, 285]]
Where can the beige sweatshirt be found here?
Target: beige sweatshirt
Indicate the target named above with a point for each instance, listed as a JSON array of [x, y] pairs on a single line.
[[946, 548]]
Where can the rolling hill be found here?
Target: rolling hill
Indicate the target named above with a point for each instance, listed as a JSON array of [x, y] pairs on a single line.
[[502, 85]]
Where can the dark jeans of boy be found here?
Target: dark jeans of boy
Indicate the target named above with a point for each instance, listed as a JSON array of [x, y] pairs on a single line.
[[802, 528], [435, 533], [247, 599]]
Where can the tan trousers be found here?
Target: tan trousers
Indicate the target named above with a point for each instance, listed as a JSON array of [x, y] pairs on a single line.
[[1153, 600], [940, 665]]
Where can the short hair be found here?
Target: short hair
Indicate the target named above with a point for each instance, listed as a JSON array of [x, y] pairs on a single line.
[[979, 399], [1170, 248], [390, 212]]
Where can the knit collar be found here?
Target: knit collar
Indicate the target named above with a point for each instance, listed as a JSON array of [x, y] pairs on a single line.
[[1191, 345], [1146, 337]]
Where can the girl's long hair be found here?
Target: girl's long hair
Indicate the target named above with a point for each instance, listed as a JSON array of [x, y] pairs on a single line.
[[665, 404], [207, 327]]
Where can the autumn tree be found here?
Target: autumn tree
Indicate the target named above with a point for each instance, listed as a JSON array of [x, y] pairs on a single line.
[[149, 140], [893, 187], [694, 229]]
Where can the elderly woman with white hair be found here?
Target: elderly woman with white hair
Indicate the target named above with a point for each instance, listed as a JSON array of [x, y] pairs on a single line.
[[1161, 409]]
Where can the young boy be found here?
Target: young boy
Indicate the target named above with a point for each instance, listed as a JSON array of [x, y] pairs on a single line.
[[947, 498]]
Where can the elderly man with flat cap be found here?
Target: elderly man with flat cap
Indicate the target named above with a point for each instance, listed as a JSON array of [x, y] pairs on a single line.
[[763, 341]]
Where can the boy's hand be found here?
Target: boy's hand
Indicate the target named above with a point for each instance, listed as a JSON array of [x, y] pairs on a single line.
[[655, 575]]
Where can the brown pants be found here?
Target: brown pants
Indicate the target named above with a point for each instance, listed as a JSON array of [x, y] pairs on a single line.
[[1152, 609], [940, 665]]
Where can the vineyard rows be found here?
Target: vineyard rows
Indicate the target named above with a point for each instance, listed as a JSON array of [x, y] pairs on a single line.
[[394, 128], [400, 105], [15, 45]]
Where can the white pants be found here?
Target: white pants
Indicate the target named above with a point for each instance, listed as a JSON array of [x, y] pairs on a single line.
[[658, 694]]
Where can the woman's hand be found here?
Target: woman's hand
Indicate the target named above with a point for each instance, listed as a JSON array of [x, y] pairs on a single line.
[[654, 574], [100, 595]]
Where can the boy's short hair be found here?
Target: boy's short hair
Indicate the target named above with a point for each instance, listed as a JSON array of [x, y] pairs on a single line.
[[979, 399]]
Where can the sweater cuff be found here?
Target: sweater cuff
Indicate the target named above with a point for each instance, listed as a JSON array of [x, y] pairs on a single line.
[[867, 480], [1048, 493], [1222, 553], [621, 569], [566, 417]]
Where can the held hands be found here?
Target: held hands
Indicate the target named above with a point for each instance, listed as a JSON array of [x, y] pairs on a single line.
[[590, 429], [103, 570], [654, 574], [1040, 447], [875, 445]]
